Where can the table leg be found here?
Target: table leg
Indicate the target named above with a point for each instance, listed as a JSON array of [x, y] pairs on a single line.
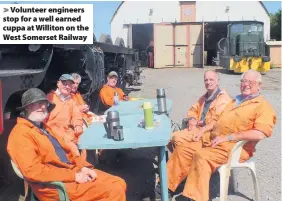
[[163, 174]]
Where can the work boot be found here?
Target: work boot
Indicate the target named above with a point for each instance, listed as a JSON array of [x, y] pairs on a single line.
[[155, 195]]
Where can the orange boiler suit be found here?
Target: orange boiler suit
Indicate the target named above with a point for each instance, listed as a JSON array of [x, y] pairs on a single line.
[[64, 116], [214, 111], [88, 117], [107, 95], [36, 157], [197, 161]]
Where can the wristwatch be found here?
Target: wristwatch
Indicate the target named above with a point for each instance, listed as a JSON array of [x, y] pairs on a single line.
[[190, 119], [230, 138]]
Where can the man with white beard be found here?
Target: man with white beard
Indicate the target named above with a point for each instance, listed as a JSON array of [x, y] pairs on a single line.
[[41, 156]]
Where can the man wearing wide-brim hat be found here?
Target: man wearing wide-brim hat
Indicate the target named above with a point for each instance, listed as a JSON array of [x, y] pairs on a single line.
[[34, 96], [42, 157], [107, 93]]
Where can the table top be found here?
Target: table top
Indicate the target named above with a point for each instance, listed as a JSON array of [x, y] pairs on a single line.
[[94, 137], [134, 107]]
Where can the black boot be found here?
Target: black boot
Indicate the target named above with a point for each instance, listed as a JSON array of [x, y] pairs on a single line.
[[155, 195]]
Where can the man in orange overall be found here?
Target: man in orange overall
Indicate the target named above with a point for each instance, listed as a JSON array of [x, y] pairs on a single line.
[[65, 119], [248, 117], [108, 90], [204, 113], [87, 115], [42, 157]]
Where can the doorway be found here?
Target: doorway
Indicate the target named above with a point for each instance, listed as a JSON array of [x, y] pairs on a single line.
[[142, 35], [214, 31]]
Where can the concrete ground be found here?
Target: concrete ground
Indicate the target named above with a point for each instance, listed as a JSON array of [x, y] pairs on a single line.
[[184, 87]]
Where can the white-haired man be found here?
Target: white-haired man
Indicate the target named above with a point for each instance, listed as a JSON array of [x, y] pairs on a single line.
[[248, 117], [87, 115]]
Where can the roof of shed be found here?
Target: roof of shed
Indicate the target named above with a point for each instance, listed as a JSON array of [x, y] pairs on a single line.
[[261, 3]]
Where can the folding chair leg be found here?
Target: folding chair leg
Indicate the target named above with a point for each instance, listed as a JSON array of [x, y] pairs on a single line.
[[224, 173], [233, 180], [97, 156]]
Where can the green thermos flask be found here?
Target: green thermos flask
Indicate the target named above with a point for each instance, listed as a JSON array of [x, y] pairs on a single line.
[[148, 115]]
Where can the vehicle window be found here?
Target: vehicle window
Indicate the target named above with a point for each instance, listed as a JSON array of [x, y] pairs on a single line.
[[236, 28], [254, 28]]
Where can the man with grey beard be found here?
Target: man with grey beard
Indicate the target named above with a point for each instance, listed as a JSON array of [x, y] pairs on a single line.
[[42, 156]]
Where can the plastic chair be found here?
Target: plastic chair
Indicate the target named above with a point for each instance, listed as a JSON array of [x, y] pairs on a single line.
[[63, 196], [233, 162]]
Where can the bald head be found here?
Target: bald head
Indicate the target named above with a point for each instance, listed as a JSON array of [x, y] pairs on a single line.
[[250, 83], [211, 79]]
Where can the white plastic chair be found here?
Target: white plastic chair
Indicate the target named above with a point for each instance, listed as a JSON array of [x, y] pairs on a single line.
[[233, 162]]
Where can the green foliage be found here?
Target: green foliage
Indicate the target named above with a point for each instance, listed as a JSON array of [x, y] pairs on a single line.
[[275, 25]]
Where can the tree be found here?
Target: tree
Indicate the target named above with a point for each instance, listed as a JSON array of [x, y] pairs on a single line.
[[275, 25]]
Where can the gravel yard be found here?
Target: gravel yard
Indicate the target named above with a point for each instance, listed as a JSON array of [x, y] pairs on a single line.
[[184, 87]]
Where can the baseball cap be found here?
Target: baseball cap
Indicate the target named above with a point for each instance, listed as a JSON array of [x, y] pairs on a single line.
[[66, 77], [113, 73]]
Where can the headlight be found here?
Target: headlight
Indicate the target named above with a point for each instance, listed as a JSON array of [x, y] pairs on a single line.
[[237, 58], [265, 58]]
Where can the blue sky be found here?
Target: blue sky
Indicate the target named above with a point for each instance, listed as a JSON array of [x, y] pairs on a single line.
[[104, 10]]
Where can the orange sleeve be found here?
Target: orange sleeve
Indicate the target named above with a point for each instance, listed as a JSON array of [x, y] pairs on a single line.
[[78, 160], [74, 98], [223, 100], [76, 118], [80, 100], [80, 163], [120, 93], [106, 97], [50, 96], [22, 150], [265, 119], [194, 111]]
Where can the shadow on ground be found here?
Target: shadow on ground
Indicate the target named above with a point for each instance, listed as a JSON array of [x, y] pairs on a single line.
[[135, 166]]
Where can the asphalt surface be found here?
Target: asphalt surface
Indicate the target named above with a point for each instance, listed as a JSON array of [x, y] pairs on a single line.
[[184, 87]]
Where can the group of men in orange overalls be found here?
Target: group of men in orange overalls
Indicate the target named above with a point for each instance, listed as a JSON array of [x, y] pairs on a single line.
[[43, 144]]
